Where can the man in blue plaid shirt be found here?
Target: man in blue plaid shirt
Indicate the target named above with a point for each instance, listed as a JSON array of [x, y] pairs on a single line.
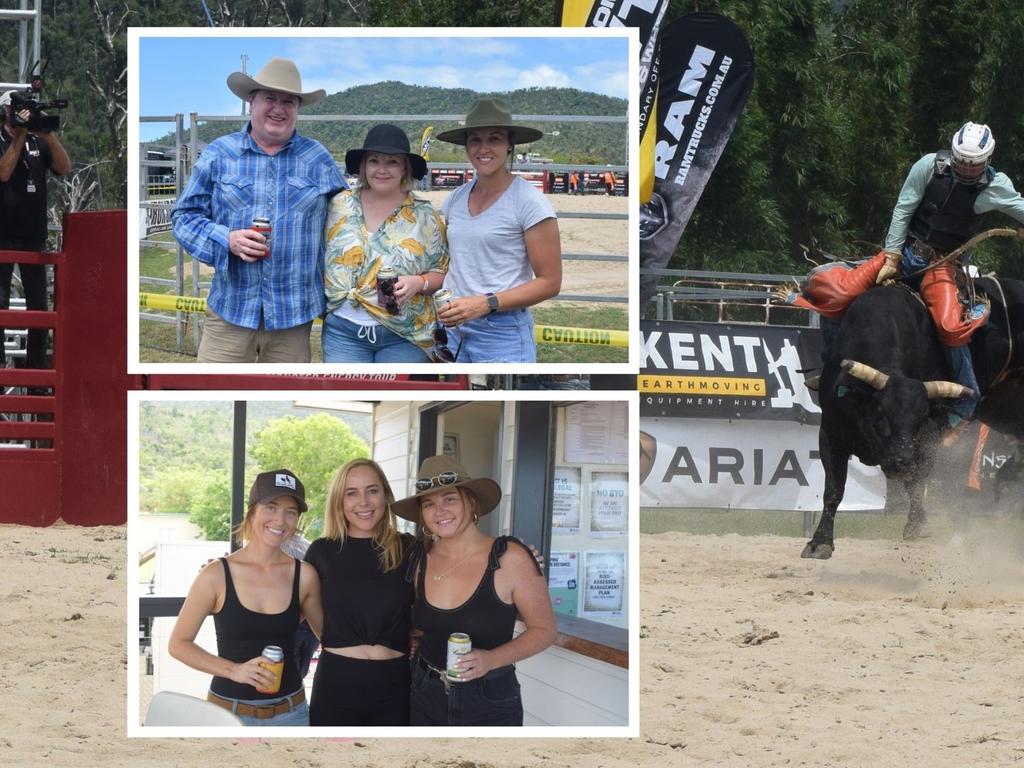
[[266, 291]]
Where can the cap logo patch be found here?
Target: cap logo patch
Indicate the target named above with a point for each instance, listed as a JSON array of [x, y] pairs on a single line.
[[284, 481]]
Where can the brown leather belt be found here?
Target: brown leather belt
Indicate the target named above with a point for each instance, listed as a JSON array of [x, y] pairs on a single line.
[[286, 704]]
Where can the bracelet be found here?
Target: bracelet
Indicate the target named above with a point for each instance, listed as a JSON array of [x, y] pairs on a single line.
[[426, 284]]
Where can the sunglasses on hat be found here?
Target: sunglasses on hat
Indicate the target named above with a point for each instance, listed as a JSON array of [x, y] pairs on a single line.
[[438, 481]]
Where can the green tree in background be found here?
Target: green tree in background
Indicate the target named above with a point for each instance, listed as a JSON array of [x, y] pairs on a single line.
[[210, 506], [848, 94], [313, 448]]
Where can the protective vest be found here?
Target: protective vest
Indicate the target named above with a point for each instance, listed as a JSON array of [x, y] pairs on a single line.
[[945, 219]]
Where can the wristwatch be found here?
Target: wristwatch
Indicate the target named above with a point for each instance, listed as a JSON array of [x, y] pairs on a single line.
[[492, 302]]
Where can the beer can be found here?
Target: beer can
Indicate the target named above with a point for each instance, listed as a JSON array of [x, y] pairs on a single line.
[[386, 279], [262, 225], [442, 299], [459, 644], [276, 656]]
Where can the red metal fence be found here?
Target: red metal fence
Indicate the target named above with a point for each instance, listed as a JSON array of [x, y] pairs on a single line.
[[80, 476]]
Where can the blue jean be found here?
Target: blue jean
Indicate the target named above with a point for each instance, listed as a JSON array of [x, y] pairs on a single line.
[[299, 715], [493, 699], [347, 342], [500, 337], [962, 367]]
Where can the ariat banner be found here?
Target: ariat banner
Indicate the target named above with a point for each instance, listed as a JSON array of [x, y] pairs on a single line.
[[705, 74], [717, 464], [647, 15], [727, 371]]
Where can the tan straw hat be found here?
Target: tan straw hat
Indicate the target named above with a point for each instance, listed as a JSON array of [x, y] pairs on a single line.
[[277, 75], [491, 113], [439, 473]]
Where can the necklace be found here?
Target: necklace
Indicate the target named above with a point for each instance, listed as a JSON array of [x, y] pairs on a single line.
[[440, 576]]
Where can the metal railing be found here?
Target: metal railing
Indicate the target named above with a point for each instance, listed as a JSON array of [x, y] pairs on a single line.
[[158, 215]]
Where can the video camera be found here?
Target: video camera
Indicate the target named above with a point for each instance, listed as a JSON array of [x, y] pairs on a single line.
[[29, 99]]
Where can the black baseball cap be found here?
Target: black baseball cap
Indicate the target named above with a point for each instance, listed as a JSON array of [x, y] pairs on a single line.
[[278, 482]]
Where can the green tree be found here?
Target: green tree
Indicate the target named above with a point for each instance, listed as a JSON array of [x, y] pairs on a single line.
[[171, 489], [210, 506], [313, 448]]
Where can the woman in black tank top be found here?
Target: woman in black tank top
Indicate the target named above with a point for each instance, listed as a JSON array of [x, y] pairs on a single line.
[[257, 596], [362, 677], [470, 583]]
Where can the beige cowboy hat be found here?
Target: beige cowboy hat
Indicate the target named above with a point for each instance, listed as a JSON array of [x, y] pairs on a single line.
[[277, 75], [439, 473], [490, 113]]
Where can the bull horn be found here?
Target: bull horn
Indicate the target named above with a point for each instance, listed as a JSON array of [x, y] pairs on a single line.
[[865, 373], [937, 389]]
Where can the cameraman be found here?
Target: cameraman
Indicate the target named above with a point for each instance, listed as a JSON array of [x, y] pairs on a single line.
[[25, 157]]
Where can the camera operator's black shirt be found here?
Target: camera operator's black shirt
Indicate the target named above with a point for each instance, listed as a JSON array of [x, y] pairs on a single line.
[[23, 212]]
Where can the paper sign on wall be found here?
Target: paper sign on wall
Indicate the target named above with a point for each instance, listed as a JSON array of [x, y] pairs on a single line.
[[563, 582], [605, 576], [609, 503]]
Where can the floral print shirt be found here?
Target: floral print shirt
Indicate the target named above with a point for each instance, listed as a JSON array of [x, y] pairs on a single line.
[[412, 240]]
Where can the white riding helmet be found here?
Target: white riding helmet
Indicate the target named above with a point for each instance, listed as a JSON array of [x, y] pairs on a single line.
[[973, 145]]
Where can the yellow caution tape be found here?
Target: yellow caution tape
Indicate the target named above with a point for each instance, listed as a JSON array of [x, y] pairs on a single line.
[[173, 303], [553, 334], [544, 334]]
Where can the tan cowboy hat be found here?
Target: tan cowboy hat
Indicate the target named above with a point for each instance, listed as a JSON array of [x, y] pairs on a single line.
[[277, 75], [439, 473], [490, 113]]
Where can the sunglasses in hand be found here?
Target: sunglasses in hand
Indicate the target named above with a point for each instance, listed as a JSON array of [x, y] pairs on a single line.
[[440, 351]]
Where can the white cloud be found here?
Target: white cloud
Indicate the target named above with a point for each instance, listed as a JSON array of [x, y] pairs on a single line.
[[610, 78], [543, 77]]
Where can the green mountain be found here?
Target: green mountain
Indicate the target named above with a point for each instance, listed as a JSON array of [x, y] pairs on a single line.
[[564, 142]]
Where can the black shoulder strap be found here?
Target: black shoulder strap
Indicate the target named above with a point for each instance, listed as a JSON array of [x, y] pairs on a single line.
[[501, 545], [228, 583]]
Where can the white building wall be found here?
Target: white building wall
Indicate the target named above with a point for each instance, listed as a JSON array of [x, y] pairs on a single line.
[[177, 565], [560, 687]]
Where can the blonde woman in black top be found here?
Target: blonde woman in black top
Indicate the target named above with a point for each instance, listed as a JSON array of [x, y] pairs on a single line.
[[467, 581], [257, 596], [362, 677]]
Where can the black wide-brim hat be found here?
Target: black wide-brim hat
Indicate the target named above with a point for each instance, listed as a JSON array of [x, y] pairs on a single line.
[[490, 113], [386, 139], [486, 490]]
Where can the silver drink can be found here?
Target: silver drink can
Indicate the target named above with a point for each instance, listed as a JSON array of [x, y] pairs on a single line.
[[442, 299], [459, 645], [262, 225]]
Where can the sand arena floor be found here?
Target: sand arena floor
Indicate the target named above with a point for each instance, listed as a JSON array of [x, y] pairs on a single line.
[[889, 654]]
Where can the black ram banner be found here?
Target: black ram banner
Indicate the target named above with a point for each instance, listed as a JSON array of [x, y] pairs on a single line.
[[646, 15], [727, 371], [705, 75]]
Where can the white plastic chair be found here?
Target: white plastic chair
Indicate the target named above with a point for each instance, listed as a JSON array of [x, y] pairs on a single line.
[[171, 708]]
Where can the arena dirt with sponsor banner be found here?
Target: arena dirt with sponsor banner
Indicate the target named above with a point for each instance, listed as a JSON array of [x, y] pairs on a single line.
[[889, 654]]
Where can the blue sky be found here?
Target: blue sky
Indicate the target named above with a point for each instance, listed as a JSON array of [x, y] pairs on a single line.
[[188, 74]]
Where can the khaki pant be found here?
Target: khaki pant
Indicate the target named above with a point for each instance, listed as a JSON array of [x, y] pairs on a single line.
[[223, 342]]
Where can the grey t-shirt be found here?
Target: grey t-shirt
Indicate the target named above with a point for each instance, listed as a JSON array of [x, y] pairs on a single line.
[[488, 252]]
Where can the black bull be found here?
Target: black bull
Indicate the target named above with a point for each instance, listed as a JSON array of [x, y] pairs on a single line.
[[887, 411]]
